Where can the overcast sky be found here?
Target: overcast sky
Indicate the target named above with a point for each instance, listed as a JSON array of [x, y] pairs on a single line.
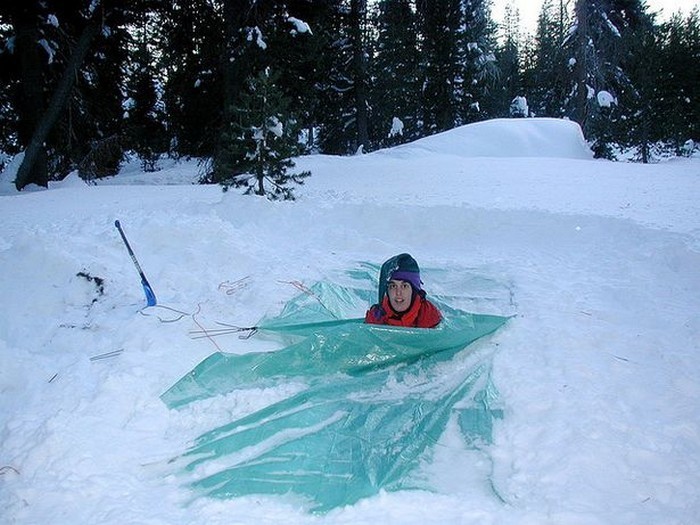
[[529, 9]]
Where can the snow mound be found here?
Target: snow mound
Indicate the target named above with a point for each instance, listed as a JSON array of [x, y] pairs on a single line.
[[9, 174], [527, 137], [72, 180]]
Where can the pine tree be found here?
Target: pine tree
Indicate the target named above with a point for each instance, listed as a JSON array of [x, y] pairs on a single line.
[[96, 115], [509, 84], [478, 70], [192, 46], [260, 141], [358, 69], [679, 79], [546, 74], [693, 72], [636, 121], [441, 25], [396, 87], [145, 131], [9, 85], [458, 63], [25, 26], [336, 119], [596, 46], [296, 52], [343, 118]]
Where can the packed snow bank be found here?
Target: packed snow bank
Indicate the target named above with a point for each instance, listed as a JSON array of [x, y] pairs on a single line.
[[526, 137]]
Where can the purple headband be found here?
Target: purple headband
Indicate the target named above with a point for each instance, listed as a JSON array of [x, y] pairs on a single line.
[[411, 277]]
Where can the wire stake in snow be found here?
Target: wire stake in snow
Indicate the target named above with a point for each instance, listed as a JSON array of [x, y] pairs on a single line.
[[8, 468], [208, 333], [150, 296], [179, 314], [107, 355]]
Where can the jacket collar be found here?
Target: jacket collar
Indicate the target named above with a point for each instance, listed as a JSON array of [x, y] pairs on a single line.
[[407, 318]]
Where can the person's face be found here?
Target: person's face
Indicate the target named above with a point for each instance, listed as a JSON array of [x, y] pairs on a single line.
[[400, 294]]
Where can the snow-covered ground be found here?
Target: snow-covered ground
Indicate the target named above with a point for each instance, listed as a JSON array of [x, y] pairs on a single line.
[[599, 372]]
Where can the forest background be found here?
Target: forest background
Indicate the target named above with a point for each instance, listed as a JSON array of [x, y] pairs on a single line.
[[247, 85]]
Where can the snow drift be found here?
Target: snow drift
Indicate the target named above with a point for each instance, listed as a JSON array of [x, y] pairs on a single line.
[[526, 137], [598, 373]]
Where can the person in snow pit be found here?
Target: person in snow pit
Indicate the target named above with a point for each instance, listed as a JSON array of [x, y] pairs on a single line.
[[404, 302]]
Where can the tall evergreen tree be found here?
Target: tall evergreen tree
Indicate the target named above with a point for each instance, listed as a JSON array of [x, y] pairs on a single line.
[[9, 86], [30, 63], [192, 51], [596, 48], [94, 129], [679, 79], [396, 86], [360, 80], [693, 71], [635, 123], [457, 61], [478, 70], [297, 47], [441, 26], [546, 75], [337, 121], [145, 131], [509, 83], [344, 92]]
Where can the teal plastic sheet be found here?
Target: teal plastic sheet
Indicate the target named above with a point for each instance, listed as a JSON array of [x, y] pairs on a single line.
[[377, 399]]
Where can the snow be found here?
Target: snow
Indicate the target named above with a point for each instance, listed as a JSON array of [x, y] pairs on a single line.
[[275, 127], [299, 25], [613, 29], [254, 33], [519, 107], [50, 50], [396, 127], [598, 372], [605, 99]]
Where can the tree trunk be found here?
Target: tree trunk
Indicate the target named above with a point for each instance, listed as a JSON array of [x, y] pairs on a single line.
[[35, 152]]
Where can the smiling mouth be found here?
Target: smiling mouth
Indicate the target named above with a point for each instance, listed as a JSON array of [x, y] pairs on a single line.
[[400, 305]]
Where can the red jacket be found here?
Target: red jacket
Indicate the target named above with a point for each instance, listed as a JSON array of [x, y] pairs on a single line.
[[421, 314]]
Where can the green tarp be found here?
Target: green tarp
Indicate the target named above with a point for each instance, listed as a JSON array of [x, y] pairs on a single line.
[[377, 399]]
